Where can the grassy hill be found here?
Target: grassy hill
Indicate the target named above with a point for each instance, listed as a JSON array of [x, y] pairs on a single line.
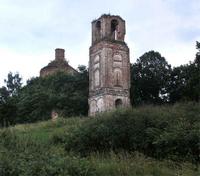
[[106, 145]]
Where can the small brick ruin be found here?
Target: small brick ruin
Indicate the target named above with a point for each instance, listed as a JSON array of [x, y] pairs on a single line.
[[57, 65]]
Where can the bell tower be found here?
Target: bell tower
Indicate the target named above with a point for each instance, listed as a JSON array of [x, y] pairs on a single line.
[[109, 65]]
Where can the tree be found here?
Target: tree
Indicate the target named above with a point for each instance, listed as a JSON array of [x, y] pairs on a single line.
[[178, 83], [13, 83], [193, 84], [149, 79], [185, 81], [4, 94], [8, 99]]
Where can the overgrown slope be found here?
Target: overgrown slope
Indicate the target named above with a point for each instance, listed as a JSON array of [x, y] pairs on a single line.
[[126, 142]]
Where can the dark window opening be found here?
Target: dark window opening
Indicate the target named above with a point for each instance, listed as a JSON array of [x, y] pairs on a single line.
[[118, 103], [98, 30], [114, 24], [98, 25]]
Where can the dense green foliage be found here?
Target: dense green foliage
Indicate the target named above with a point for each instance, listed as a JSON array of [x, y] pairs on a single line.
[[63, 93], [8, 99], [185, 81], [39, 149], [160, 132], [150, 77], [153, 81]]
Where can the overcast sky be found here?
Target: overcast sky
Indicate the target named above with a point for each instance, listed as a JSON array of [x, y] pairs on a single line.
[[30, 30]]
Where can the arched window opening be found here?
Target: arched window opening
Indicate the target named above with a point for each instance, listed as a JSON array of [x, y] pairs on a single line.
[[117, 78], [114, 25], [98, 30], [98, 25], [118, 103]]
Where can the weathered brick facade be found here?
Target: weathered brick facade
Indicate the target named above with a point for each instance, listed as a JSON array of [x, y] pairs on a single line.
[[57, 65], [109, 65]]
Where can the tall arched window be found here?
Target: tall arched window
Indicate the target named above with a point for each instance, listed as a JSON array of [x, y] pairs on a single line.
[[117, 77], [114, 30], [98, 25], [98, 30]]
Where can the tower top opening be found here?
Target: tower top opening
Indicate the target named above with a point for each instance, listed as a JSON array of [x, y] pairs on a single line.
[[108, 16], [108, 27]]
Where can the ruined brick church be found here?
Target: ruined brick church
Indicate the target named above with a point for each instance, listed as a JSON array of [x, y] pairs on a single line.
[[109, 65], [57, 65]]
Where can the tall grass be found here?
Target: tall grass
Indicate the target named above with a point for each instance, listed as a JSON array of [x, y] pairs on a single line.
[[136, 164], [113, 144]]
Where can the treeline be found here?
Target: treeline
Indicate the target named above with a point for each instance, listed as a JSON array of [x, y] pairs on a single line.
[[65, 94], [153, 81]]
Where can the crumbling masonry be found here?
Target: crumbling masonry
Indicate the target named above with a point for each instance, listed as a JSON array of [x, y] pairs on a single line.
[[58, 65], [109, 65]]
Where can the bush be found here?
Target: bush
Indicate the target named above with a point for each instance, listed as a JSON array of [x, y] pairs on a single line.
[[43, 164], [22, 155], [8, 138], [161, 132]]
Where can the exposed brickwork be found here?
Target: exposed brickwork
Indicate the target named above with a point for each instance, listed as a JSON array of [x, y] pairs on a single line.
[[59, 64], [109, 65], [59, 54]]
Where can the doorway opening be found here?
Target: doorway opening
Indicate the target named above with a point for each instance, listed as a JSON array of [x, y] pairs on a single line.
[[118, 103]]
